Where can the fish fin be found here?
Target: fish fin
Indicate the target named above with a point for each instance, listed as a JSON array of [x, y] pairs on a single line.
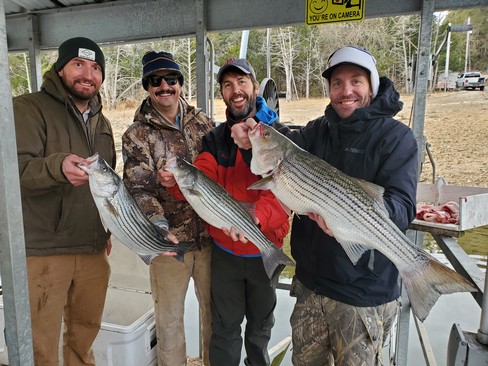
[[375, 191], [110, 208], [250, 208], [354, 250], [164, 232], [181, 248], [263, 184], [147, 258], [424, 286], [285, 208], [180, 257], [274, 261], [194, 192]]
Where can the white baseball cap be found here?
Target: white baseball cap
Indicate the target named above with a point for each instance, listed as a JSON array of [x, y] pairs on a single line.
[[353, 55]]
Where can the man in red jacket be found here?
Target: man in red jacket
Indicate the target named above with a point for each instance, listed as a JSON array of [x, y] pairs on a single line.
[[239, 286]]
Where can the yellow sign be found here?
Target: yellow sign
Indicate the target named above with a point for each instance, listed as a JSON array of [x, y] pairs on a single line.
[[332, 11]]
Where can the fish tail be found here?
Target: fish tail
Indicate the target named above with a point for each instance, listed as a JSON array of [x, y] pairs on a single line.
[[182, 248], [275, 261], [180, 257], [426, 285]]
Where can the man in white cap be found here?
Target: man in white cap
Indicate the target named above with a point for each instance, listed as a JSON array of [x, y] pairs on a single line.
[[67, 265], [344, 312]]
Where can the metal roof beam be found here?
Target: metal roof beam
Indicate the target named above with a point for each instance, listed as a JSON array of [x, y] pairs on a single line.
[[132, 21]]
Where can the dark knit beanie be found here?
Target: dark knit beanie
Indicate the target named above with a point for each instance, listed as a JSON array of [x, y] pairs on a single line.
[[79, 47], [158, 61]]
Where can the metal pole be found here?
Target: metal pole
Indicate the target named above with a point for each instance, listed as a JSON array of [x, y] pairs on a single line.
[[244, 42], [482, 335], [16, 307], [448, 50], [466, 57], [202, 57], [268, 53]]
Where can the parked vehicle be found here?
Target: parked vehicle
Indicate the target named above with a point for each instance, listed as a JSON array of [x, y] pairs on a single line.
[[470, 80]]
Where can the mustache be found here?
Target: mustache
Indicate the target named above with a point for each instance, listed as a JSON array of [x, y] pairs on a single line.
[[166, 91]]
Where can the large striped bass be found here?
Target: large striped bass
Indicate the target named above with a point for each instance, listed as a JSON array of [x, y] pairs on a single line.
[[121, 215], [353, 210], [218, 208]]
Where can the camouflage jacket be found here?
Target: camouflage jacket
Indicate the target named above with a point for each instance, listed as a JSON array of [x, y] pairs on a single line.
[[146, 145]]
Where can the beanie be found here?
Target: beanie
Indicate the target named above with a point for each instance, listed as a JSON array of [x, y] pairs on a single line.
[[239, 63], [79, 47], [353, 55], [158, 61]]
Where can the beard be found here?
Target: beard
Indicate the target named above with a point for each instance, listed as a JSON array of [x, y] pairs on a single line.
[[240, 114]]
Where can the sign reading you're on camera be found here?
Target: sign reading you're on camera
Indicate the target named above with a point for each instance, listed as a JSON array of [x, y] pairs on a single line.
[[331, 11]]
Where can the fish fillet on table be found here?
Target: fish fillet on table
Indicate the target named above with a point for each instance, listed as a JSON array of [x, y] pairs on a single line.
[[218, 208], [353, 210], [121, 215]]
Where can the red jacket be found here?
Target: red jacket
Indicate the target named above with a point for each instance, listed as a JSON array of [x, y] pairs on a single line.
[[228, 165]]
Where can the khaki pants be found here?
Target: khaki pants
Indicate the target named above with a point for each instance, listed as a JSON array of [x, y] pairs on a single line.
[[326, 332], [73, 286], [169, 284]]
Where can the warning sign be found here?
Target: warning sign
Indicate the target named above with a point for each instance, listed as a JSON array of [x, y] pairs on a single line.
[[331, 11]]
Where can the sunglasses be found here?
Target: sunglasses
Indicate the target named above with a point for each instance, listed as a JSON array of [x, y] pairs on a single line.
[[156, 80]]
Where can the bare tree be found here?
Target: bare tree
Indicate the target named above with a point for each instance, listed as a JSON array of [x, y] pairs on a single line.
[[285, 46]]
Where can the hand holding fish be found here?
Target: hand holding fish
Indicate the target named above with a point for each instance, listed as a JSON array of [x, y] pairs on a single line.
[[72, 172], [240, 135], [234, 235], [321, 222], [167, 179], [238, 236]]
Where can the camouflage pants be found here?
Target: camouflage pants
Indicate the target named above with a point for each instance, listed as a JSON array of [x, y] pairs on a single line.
[[326, 332]]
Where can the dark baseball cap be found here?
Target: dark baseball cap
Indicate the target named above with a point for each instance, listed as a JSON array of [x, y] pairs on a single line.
[[239, 63]]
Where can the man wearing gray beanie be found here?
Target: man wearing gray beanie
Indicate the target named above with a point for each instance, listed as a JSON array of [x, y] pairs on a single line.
[[66, 244], [344, 311]]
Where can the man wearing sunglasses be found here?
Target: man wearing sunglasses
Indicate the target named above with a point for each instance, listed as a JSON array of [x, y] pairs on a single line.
[[164, 126]]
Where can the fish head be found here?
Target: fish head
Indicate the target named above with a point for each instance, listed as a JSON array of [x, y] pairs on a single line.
[[103, 180], [268, 149], [183, 171]]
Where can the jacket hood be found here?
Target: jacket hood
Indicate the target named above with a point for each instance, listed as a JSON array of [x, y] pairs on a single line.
[[53, 85]]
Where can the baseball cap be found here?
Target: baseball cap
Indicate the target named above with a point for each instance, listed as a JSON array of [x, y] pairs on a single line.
[[239, 63], [353, 55]]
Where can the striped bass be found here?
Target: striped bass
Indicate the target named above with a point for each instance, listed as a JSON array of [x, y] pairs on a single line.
[[353, 210], [218, 208], [121, 215]]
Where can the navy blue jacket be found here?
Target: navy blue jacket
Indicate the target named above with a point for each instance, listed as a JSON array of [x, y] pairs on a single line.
[[369, 145]]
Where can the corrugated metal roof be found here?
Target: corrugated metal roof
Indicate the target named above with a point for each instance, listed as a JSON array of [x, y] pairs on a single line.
[[27, 6]]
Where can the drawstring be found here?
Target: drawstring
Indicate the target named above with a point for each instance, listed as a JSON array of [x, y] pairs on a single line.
[[371, 260]]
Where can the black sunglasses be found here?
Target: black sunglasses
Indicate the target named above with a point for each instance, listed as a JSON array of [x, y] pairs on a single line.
[[156, 80]]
